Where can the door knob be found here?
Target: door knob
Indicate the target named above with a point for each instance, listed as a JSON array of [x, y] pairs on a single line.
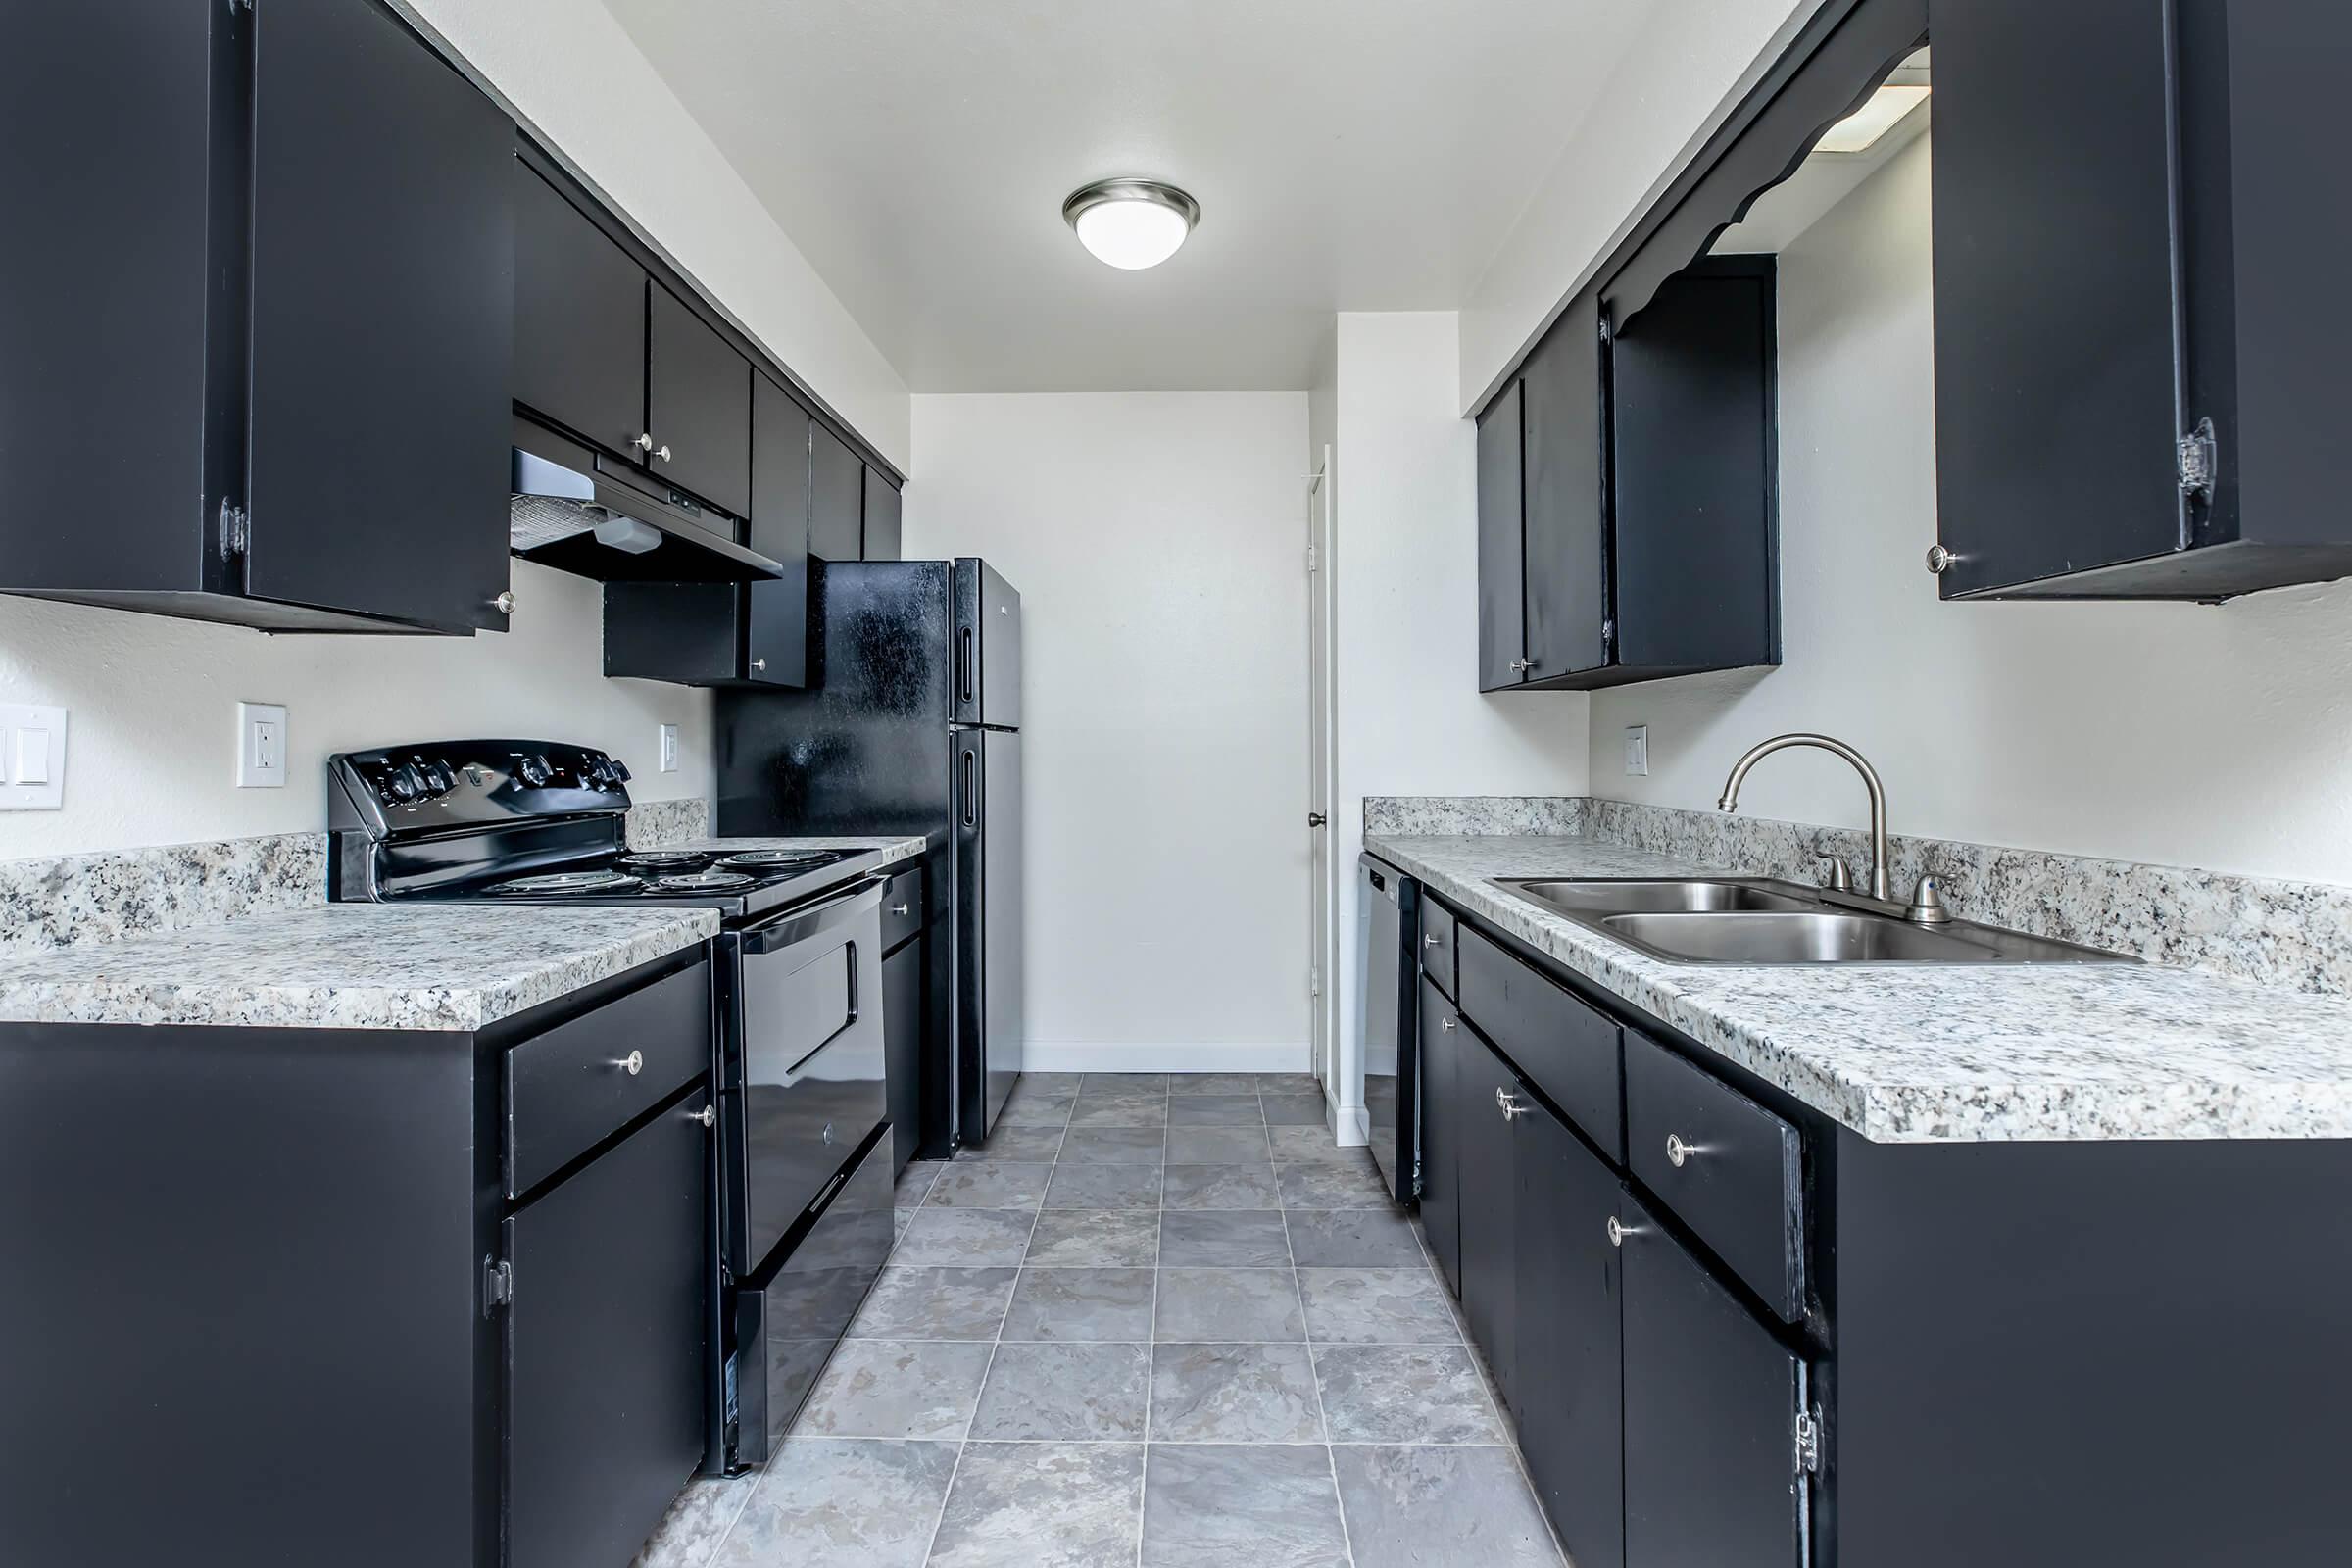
[[1316, 820], [1678, 1152], [708, 1116], [1618, 1231]]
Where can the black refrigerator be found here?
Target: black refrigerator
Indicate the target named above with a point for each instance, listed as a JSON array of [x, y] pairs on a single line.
[[911, 723]]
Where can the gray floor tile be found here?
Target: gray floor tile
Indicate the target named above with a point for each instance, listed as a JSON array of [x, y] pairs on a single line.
[[1024, 1109], [1069, 1392], [1403, 1393], [1051, 1083], [1377, 1307], [1151, 1112], [915, 1180], [1082, 1303], [1215, 1110], [1124, 1083], [1212, 1083], [1315, 1185], [931, 1302], [1042, 1505], [896, 1388], [1217, 1146], [1294, 1110], [1113, 1145], [966, 1238], [1233, 1394], [1221, 1187], [1299, 1146], [844, 1503], [1414, 1508], [1200, 1305], [900, 1220], [1351, 1237], [990, 1184], [699, 1518], [1287, 1083], [1104, 1187], [1265, 1505], [1015, 1142], [1095, 1237], [1223, 1239]]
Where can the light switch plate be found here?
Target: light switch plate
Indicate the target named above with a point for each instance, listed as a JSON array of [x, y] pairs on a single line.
[[32, 757], [668, 752], [261, 746], [1637, 751]]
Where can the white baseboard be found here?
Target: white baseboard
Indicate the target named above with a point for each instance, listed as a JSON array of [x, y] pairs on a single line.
[[1126, 1055]]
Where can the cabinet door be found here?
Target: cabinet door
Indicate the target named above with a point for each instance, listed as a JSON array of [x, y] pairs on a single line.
[[1567, 552], [1440, 1069], [881, 532], [2054, 255], [1710, 1417], [836, 498], [579, 319], [1572, 1416], [604, 1347], [382, 323], [776, 635], [903, 1044], [1488, 1180], [698, 406], [1501, 545]]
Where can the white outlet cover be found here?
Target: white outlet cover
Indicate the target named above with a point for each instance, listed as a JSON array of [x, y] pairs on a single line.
[[1637, 751], [669, 749], [32, 757], [261, 746]]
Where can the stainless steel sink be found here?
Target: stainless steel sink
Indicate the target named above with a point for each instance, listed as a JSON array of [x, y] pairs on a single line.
[[1742, 921]]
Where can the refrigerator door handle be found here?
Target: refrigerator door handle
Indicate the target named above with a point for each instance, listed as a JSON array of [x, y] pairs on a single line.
[[963, 663], [971, 786]]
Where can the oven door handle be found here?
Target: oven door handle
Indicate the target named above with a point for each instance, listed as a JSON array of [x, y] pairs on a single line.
[[796, 926]]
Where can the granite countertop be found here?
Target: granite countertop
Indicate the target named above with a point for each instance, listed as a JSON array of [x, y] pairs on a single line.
[[1946, 1054], [442, 967]]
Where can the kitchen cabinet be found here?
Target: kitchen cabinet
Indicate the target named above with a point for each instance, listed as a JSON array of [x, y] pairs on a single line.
[[268, 374], [579, 319], [698, 406], [879, 539], [1566, 565], [1486, 1094], [903, 1012], [1502, 543], [836, 498], [1441, 1124]]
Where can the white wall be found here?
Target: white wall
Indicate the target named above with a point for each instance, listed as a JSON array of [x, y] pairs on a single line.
[[152, 738], [1158, 543], [1411, 720], [2184, 734]]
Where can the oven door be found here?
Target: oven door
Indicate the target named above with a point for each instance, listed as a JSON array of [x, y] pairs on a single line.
[[802, 1064]]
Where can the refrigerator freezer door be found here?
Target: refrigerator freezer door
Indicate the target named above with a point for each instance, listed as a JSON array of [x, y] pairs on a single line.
[[988, 647], [988, 916]]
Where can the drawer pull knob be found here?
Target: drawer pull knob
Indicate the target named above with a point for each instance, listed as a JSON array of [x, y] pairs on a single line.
[[708, 1116], [1618, 1231], [901, 909], [633, 1063], [1508, 1104], [1433, 942], [1677, 1151], [1444, 1023]]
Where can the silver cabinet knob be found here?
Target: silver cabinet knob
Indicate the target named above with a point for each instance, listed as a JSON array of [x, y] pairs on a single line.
[[759, 663], [644, 441], [504, 604], [1444, 1023], [1619, 1231], [1678, 1152], [633, 1063], [1523, 665], [663, 453], [1508, 1104], [1433, 942], [708, 1116], [1939, 559], [901, 909]]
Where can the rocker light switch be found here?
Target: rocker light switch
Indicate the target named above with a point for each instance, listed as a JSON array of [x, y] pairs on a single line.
[[32, 757]]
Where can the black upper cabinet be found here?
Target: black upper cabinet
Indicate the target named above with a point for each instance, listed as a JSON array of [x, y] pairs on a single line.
[[777, 632], [579, 319], [836, 498], [1567, 563], [266, 379], [879, 538], [698, 406], [1501, 545]]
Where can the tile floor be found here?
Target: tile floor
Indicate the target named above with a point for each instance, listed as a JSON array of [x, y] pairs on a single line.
[[1156, 1323]]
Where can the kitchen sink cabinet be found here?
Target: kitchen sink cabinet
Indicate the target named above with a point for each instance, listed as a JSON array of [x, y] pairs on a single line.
[[836, 498], [879, 540]]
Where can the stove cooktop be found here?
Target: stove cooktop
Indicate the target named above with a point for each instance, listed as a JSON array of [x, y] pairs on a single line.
[[740, 883]]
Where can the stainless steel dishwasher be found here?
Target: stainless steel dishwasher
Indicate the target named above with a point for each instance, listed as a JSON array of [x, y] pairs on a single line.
[[1388, 927]]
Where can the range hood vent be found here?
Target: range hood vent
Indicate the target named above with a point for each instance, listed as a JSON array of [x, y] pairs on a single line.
[[573, 510]]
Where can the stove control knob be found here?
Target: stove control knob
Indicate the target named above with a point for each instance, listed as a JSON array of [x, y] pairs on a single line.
[[620, 770], [438, 779], [534, 770], [403, 784]]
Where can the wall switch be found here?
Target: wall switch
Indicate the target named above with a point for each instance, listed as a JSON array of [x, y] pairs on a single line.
[[32, 757], [261, 746], [1637, 751], [669, 749]]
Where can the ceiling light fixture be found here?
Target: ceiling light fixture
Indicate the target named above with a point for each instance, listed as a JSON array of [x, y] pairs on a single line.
[[1879, 113], [1131, 223]]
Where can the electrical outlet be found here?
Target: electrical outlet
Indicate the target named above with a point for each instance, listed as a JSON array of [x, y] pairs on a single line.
[[1637, 751], [32, 757], [668, 752], [261, 746]]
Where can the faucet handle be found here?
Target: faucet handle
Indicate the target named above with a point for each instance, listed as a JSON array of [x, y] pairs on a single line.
[[1927, 902], [1837, 875]]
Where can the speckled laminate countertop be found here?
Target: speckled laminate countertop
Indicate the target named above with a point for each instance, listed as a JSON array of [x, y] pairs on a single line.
[[1947, 1054], [456, 966]]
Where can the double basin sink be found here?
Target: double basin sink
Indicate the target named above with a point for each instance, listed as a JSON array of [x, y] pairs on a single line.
[[1760, 920]]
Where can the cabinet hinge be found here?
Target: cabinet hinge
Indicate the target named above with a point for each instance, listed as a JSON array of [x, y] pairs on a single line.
[[2199, 455], [234, 533], [498, 1284], [1314, 980], [1808, 1442]]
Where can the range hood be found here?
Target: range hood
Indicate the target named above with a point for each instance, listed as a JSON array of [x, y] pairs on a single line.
[[580, 512]]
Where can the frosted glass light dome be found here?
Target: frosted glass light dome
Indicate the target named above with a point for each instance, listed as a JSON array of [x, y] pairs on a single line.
[[1131, 223]]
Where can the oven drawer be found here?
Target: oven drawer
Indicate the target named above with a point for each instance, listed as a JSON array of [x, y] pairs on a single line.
[[902, 912], [587, 1078]]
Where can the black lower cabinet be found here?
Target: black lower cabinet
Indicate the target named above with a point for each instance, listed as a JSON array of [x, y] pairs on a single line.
[[1570, 1388], [903, 1016], [1489, 1183], [605, 1364], [1440, 1119]]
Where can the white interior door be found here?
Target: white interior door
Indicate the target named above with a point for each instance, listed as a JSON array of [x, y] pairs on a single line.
[[1323, 952]]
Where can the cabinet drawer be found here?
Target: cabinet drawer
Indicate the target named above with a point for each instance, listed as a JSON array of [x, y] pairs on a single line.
[[1564, 1048], [1437, 935], [1732, 1171], [903, 911], [575, 1084]]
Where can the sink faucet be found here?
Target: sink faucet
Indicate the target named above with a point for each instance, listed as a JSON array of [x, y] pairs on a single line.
[[1879, 887]]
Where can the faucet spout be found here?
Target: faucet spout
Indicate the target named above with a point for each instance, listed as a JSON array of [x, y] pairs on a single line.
[[1879, 883]]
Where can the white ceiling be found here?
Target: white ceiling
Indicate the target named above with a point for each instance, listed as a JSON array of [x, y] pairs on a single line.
[[1346, 153]]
